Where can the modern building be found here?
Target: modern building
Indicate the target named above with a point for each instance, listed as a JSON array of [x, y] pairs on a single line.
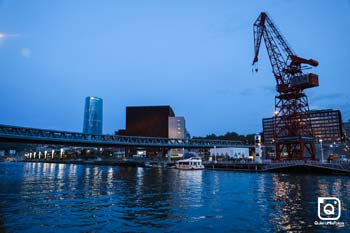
[[93, 115], [326, 125], [267, 135], [154, 121], [346, 128], [149, 121], [177, 127]]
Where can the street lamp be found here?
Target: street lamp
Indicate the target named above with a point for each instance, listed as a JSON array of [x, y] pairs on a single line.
[[214, 154], [321, 150]]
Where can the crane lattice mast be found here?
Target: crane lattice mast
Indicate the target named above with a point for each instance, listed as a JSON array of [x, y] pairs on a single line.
[[292, 129]]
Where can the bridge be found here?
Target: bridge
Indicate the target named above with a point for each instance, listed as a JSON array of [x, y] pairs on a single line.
[[17, 134]]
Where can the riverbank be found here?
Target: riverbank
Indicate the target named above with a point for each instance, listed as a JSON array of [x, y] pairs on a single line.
[[125, 163], [283, 166]]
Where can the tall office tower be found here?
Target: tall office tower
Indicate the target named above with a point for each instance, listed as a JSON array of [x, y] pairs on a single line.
[[93, 115]]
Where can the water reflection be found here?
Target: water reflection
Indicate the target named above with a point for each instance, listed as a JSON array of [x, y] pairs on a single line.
[[295, 198], [40, 197]]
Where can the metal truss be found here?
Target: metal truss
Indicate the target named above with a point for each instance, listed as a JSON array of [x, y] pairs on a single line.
[[54, 137]]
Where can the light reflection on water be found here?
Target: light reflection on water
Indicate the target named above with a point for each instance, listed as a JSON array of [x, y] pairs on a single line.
[[42, 197]]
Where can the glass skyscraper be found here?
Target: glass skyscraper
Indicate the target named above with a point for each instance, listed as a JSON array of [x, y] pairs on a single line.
[[93, 115]]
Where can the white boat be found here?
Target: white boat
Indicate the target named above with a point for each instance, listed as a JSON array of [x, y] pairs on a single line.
[[194, 163]]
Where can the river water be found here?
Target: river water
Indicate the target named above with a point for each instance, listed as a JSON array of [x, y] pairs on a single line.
[[44, 197]]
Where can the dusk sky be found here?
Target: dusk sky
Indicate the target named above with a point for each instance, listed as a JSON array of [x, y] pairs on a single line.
[[195, 56]]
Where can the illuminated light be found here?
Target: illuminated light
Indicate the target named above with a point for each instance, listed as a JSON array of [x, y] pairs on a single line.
[[276, 113], [4, 35]]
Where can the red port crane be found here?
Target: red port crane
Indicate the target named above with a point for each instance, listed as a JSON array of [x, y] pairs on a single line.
[[292, 129]]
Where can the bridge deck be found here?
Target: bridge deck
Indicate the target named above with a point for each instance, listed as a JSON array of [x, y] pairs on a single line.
[[43, 136]]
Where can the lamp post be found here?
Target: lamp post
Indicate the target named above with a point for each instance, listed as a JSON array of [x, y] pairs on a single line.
[[321, 150], [214, 154]]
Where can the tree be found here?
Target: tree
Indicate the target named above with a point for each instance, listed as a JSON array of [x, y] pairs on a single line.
[[248, 139]]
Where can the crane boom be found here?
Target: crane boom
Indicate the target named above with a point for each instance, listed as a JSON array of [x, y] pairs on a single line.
[[286, 65]]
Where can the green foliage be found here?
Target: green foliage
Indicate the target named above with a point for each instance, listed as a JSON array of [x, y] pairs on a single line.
[[249, 138]]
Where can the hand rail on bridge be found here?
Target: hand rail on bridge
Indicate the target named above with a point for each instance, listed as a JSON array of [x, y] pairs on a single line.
[[7, 131]]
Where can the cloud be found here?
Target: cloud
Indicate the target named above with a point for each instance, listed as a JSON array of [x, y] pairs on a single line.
[[343, 107], [26, 52], [328, 97], [269, 89], [247, 92], [336, 101]]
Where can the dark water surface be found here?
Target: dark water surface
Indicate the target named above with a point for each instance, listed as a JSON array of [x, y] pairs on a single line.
[[43, 197]]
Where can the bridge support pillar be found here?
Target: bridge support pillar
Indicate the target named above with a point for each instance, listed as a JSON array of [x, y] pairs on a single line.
[[169, 155], [160, 153]]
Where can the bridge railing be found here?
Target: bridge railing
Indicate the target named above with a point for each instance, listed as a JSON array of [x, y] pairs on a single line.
[[14, 132]]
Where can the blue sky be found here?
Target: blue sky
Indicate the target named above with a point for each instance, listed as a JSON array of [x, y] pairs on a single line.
[[193, 55]]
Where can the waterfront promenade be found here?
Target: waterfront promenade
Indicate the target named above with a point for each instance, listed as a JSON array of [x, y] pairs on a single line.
[[335, 167]]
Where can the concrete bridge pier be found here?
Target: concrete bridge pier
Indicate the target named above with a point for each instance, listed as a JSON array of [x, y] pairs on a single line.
[[169, 155]]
